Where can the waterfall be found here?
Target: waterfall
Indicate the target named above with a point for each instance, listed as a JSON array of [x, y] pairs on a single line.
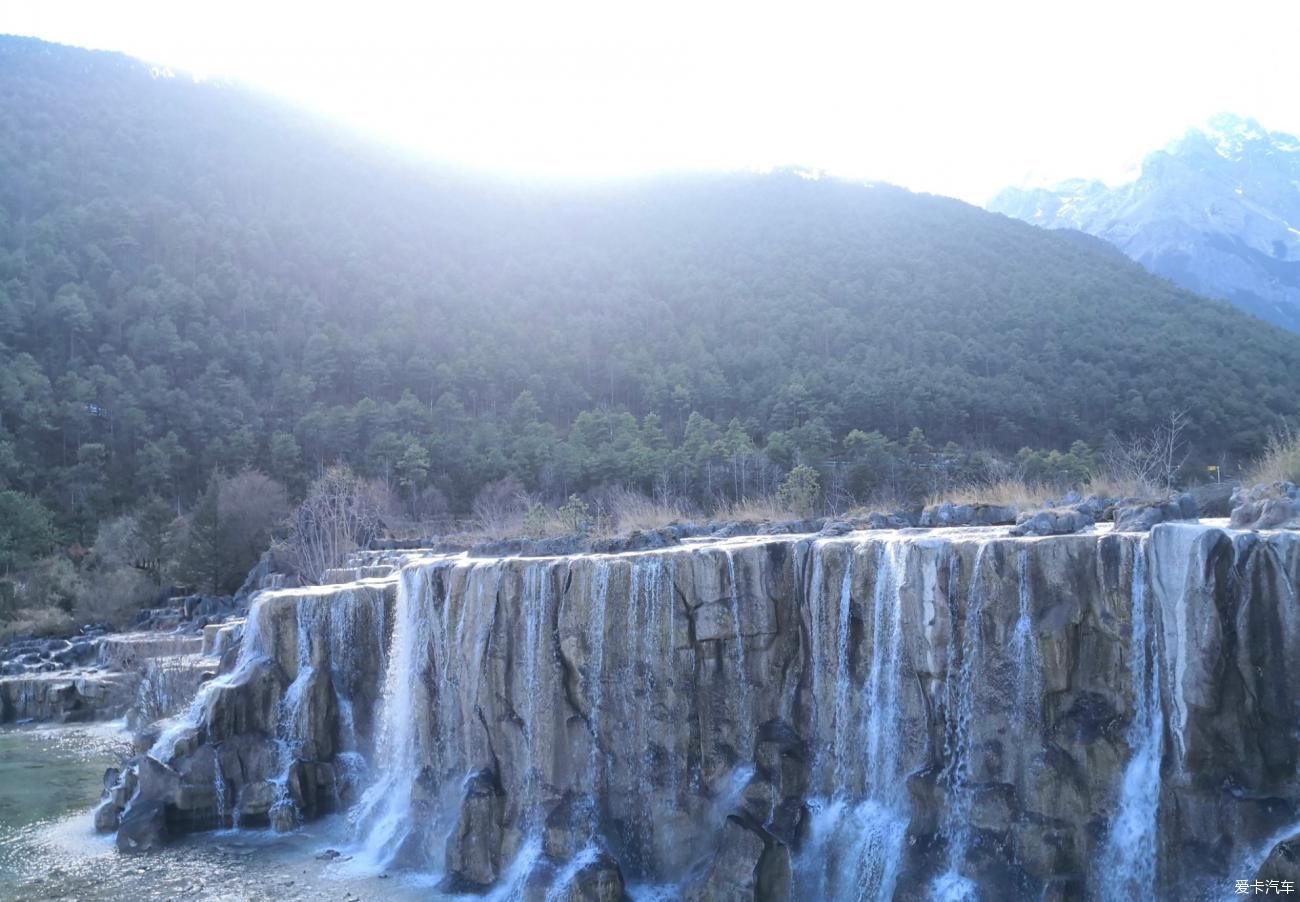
[[1127, 868], [747, 731], [817, 651], [596, 668], [559, 890], [534, 603], [646, 619], [843, 677], [961, 690], [1024, 647], [218, 789], [856, 845], [252, 649], [384, 812]]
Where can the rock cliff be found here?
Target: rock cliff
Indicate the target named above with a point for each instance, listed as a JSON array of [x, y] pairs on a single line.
[[871, 715]]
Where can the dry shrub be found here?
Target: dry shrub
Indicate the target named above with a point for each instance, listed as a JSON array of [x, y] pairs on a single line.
[[1280, 461], [340, 514], [36, 622], [114, 596]]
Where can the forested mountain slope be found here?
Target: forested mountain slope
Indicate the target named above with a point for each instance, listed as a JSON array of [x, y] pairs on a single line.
[[195, 277]]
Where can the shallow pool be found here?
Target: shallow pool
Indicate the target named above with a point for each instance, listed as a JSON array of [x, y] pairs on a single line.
[[50, 782]]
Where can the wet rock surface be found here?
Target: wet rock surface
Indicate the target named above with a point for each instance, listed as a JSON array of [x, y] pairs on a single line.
[[779, 717]]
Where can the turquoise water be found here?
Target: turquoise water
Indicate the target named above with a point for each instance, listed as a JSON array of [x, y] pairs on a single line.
[[50, 782]]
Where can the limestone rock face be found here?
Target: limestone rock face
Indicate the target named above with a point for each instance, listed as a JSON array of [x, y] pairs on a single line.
[[888, 713], [62, 697]]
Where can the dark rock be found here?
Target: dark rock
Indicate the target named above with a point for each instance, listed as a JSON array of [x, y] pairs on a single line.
[[498, 548], [950, 514], [637, 540], [1141, 517], [750, 863], [1052, 522], [1094, 506], [568, 824], [790, 527], [556, 546], [600, 880], [1214, 499], [1282, 863], [474, 846], [733, 529], [143, 827], [1266, 506], [106, 816]]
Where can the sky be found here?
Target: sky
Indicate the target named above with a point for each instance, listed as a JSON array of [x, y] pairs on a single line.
[[957, 98]]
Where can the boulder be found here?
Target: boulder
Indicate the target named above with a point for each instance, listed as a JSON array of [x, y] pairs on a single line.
[[1214, 499], [474, 846], [1052, 522], [749, 863], [1283, 862], [950, 514], [637, 540], [1267, 506], [1141, 517], [568, 823], [597, 879], [143, 827]]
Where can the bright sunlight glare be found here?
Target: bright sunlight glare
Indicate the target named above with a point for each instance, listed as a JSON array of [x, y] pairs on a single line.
[[951, 98]]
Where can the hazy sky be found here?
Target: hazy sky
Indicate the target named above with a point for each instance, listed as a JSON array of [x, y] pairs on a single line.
[[957, 98]]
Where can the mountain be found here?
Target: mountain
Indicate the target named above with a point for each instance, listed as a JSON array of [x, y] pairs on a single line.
[[193, 276], [1217, 212]]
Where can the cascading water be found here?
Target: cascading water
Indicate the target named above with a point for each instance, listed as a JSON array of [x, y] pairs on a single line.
[[963, 672], [843, 678], [535, 601], [596, 668], [856, 844], [383, 814], [1024, 649], [745, 691], [650, 602], [1127, 867], [557, 685], [252, 649]]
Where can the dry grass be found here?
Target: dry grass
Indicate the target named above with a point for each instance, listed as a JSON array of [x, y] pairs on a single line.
[[1010, 492], [758, 508], [1108, 486], [1280, 461], [623, 510], [36, 622]]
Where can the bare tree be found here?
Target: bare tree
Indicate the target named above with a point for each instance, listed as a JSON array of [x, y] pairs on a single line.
[[1153, 459], [1171, 446], [500, 507], [340, 514]]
